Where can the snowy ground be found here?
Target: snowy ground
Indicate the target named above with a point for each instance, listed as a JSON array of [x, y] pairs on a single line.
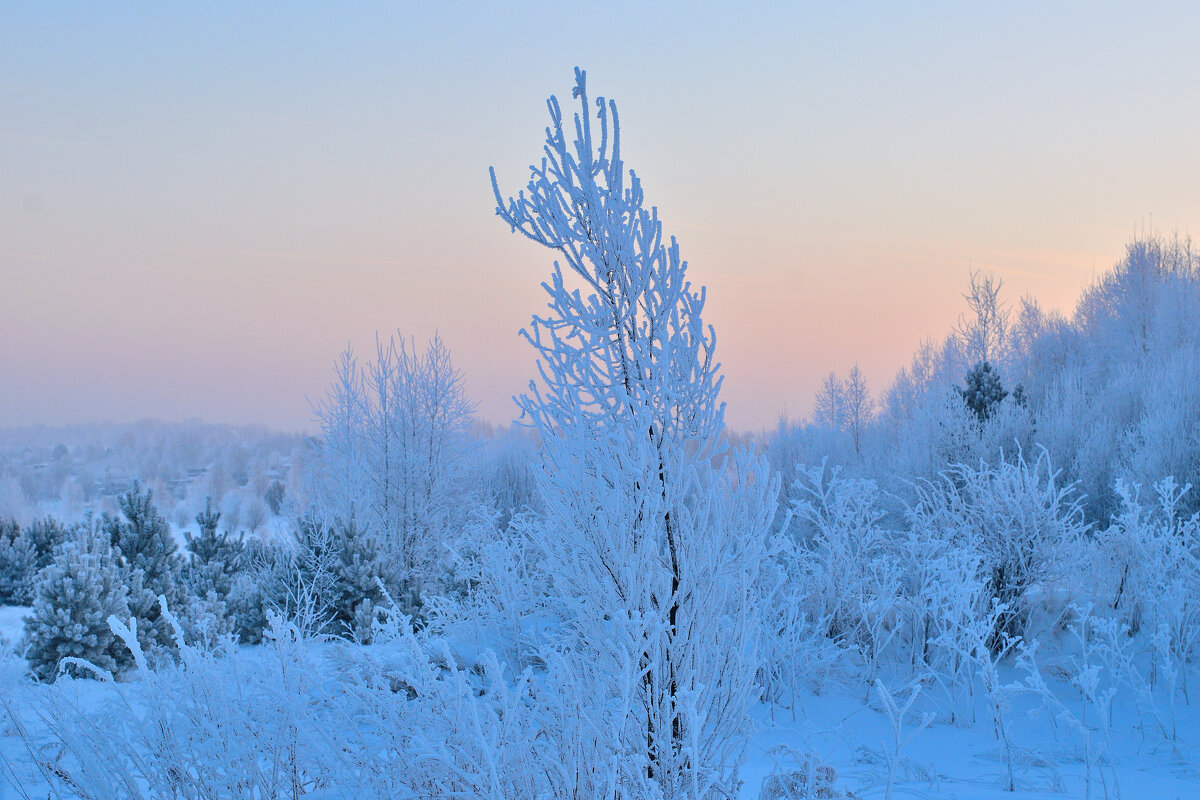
[[11, 623], [950, 761], [844, 728]]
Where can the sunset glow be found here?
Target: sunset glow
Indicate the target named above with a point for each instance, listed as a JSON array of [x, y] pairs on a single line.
[[200, 209]]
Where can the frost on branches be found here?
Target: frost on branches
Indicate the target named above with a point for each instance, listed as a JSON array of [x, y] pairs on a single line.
[[394, 458], [652, 540]]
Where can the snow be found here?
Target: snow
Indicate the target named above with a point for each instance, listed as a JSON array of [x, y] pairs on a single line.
[[835, 725], [951, 761], [12, 621]]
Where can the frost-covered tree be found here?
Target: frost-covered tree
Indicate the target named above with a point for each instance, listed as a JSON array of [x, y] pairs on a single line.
[[983, 335], [651, 548], [845, 406], [395, 454], [14, 505], [329, 582], [214, 556], [145, 551], [829, 406], [18, 565], [274, 497], [860, 407], [46, 534], [75, 595]]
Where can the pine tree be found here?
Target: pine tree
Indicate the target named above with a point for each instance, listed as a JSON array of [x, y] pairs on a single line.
[[215, 556], [74, 597], [46, 534], [274, 497], [18, 565], [983, 391], [145, 551], [338, 564]]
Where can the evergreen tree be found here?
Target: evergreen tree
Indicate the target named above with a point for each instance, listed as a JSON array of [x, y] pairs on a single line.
[[332, 578], [215, 556], [983, 391], [262, 584], [75, 595], [46, 534], [145, 552], [274, 497], [18, 565]]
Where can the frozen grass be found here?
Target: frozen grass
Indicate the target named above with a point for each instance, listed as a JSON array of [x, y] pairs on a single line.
[[308, 718]]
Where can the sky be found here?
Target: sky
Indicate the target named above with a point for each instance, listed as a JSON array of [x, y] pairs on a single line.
[[202, 205]]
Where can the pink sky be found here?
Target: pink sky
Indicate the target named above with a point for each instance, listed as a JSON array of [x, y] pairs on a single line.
[[199, 211]]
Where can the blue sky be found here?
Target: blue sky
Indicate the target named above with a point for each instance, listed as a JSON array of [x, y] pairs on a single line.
[[200, 206]]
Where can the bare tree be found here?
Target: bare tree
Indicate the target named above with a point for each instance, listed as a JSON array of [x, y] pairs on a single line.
[[845, 405], [860, 407], [829, 408], [983, 336]]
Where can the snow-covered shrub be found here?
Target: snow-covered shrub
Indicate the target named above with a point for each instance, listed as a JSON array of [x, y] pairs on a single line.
[[401, 718], [979, 642], [1025, 527], [801, 777], [896, 715], [1095, 662], [333, 570], [840, 542], [838, 562], [495, 737], [795, 650], [75, 595], [498, 593], [248, 724], [1149, 568], [948, 599]]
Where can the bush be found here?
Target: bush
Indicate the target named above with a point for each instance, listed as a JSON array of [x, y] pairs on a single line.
[[1149, 565], [1025, 527]]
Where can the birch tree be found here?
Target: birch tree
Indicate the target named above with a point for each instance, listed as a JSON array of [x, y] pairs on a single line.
[[651, 548], [395, 455]]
